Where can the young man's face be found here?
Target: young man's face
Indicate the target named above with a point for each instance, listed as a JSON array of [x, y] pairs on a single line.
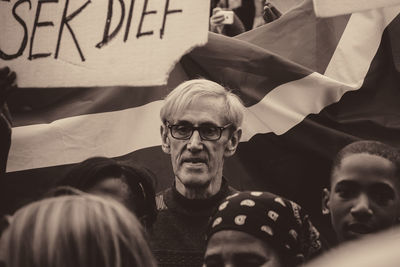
[[364, 196], [198, 163]]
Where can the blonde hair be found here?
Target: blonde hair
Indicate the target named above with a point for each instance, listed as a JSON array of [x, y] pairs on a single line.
[[187, 92], [80, 231]]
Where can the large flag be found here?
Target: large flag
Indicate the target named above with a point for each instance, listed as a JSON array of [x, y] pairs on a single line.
[[310, 86]]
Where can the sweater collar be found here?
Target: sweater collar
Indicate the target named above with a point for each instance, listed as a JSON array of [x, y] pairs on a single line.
[[199, 205]]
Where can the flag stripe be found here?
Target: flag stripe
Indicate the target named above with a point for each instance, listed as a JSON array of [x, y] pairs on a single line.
[[74, 139], [60, 103], [300, 37], [358, 45], [288, 105], [248, 69], [45, 105]]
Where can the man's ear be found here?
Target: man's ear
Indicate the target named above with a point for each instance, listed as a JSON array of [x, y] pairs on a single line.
[[233, 142], [325, 201], [165, 142]]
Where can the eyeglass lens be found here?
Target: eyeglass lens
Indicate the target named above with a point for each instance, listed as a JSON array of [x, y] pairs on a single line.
[[186, 131]]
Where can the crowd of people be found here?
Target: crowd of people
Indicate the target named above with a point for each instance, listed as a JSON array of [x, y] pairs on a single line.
[[106, 213]]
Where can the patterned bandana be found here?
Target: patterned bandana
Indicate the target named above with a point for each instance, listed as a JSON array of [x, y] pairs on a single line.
[[275, 220]]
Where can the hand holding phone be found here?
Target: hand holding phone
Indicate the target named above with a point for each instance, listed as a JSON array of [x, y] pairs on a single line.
[[221, 17]]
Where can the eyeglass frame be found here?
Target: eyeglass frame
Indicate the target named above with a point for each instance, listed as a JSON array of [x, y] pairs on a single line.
[[194, 128]]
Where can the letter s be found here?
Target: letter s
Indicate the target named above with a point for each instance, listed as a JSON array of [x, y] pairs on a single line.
[[25, 39]]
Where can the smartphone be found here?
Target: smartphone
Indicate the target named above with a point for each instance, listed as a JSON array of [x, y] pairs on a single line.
[[228, 16]]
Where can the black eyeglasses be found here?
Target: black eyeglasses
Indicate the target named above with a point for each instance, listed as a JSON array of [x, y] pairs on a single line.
[[206, 132]]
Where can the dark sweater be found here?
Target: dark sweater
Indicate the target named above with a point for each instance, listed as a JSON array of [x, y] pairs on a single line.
[[178, 235]]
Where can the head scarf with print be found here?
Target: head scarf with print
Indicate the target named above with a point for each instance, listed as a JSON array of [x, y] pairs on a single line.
[[279, 222]]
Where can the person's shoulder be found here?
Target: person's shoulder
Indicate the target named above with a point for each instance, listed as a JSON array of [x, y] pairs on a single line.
[[232, 190], [229, 191]]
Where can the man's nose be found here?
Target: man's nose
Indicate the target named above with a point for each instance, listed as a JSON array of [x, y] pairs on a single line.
[[195, 142], [362, 208]]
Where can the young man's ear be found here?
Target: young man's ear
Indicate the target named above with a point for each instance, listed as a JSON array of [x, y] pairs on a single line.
[[165, 142], [325, 201], [233, 142]]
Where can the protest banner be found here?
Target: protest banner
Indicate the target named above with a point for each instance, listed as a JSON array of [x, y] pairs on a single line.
[[63, 43]]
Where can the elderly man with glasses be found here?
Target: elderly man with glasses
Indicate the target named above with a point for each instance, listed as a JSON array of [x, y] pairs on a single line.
[[201, 127]]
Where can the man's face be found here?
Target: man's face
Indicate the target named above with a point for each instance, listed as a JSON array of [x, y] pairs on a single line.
[[198, 163], [235, 248], [364, 196]]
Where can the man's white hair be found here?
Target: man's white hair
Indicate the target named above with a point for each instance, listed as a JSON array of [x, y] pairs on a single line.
[[187, 92]]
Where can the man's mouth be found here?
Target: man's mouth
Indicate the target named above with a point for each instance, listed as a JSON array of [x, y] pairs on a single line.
[[359, 229], [195, 161]]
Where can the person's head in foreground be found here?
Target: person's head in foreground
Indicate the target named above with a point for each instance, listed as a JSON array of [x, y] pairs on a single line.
[[364, 193], [201, 127], [79, 230], [260, 229], [132, 186]]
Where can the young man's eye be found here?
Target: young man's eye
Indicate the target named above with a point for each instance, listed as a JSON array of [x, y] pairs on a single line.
[[346, 193], [382, 197]]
